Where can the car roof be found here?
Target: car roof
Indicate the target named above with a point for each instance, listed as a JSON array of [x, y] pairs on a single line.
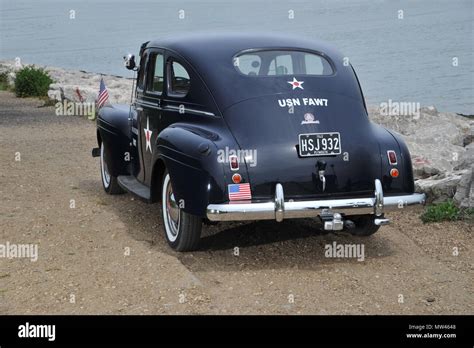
[[194, 45], [210, 54]]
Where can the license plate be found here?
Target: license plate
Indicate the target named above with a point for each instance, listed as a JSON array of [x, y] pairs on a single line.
[[319, 144]]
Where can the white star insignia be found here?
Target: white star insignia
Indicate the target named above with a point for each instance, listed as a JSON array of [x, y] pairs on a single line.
[[296, 84], [148, 135]]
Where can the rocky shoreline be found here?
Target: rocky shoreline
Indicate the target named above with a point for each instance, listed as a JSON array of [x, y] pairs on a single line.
[[441, 143]]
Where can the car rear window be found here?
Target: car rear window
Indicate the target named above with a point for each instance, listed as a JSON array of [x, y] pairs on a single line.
[[282, 62]]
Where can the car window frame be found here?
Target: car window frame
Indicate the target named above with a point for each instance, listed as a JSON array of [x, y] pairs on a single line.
[[142, 69], [255, 50], [149, 73], [169, 61]]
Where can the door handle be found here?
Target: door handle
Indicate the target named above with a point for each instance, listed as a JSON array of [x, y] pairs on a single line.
[[139, 108]]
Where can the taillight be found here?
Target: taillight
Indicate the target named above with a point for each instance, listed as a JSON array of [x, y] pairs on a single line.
[[392, 157], [234, 163], [236, 178], [394, 173]]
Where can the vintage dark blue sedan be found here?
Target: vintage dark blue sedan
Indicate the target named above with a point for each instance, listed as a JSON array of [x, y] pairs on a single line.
[[251, 127]]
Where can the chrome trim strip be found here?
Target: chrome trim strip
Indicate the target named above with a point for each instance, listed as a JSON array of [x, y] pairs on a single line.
[[148, 104], [280, 209], [193, 111], [173, 108]]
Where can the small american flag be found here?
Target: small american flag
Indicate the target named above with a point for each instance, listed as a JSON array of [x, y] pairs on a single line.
[[103, 95], [238, 192]]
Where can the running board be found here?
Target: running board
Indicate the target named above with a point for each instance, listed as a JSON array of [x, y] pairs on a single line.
[[132, 185]]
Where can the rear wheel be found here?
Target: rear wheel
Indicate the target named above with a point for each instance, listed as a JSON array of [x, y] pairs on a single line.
[[182, 230], [109, 182], [364, 226]]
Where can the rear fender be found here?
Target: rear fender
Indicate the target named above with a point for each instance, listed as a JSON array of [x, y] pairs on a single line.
[[404, 159], [390, 141], [190, 156]]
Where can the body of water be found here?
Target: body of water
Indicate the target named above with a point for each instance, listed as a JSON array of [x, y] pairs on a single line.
[[405, 50]]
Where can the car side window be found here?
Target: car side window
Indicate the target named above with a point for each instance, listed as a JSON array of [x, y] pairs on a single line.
[[282, 62], [249, 64], [281, 65], [156, 77], [178, 80], [315, 65]]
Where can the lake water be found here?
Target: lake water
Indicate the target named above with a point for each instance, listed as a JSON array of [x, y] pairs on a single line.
[[410, 59]]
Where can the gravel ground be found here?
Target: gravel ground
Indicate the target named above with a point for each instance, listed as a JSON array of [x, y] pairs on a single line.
[[108, 255]]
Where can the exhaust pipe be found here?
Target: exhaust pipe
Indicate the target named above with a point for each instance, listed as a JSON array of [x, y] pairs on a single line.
[[381, 222]]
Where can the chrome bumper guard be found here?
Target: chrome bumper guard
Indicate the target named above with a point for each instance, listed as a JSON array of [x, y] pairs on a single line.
[[280, 209]]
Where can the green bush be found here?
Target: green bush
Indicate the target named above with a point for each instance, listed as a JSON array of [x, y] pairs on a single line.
[[4, 81], [32, 82], [446, 211]]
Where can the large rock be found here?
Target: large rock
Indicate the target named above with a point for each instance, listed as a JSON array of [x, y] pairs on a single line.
[[10, 67], [79, 86], [439, 189], [436, 140], [441, 148], [464, 196]]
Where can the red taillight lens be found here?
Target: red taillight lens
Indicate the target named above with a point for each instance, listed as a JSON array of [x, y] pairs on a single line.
[[394, 173], [234, 163], [392, 157], [236, 178]]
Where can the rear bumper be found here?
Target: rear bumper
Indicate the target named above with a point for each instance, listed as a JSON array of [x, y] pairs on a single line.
[[280, 209]]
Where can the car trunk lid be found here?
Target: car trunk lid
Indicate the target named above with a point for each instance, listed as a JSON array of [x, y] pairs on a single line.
[[267, 129]]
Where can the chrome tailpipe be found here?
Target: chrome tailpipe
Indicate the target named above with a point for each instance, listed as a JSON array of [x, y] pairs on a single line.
[[381, 221]]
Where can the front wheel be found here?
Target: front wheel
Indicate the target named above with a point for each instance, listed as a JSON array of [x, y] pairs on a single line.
[[364, 226], [182, 230]]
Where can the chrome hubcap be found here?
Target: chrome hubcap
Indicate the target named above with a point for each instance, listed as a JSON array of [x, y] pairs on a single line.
[[172, 211], [103, 166]]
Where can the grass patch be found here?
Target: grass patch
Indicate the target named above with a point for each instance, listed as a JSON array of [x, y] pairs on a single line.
[[32, 82], [446, 211]]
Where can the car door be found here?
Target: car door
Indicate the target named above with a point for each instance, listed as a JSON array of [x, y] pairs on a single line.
[[136, 149], [176, 101], [150, 110]]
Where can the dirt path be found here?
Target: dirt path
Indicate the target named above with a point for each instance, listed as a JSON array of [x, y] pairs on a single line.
[[83, 264]]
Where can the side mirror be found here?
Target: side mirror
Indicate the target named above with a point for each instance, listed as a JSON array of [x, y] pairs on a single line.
[[129, 61]]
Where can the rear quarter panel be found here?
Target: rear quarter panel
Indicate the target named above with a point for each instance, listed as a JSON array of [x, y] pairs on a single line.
[[189, 151]]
